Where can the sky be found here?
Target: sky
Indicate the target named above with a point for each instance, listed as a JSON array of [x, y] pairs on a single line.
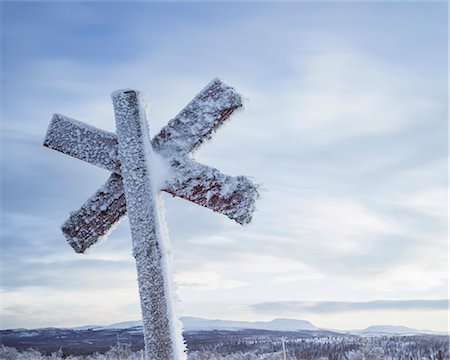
[[344, 128]]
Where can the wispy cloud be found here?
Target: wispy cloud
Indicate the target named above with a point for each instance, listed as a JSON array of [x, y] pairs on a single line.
[[203, 280]]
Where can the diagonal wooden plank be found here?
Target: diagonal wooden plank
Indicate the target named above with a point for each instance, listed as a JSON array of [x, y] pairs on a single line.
[[198, 120], [97, 217], [232, 196], [182, 135], [83, 141]]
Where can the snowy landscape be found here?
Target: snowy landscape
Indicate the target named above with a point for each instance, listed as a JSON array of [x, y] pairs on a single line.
[[220, 339], [296, 152]]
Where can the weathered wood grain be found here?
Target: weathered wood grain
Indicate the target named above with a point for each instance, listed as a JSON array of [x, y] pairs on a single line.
[[232, 196], [97, 217]]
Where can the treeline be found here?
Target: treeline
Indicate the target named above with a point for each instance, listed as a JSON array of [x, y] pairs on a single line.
[[321, 348], [338, 347]]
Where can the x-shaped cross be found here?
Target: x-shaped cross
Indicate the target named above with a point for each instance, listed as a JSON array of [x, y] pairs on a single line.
[[206, 186], [131, 188]]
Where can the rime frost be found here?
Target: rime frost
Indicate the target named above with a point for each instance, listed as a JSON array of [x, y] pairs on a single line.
[[97, 217], [83, 142], [233, 196], [198, 120], [149, 243]]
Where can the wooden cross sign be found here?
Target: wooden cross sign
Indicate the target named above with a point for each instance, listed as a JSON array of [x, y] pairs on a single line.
[[134, 189]]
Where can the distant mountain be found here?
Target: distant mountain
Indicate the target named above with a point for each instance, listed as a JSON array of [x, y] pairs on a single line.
[[121, 325], [280, 324], [196, 324], [85, 327], [390, 330]]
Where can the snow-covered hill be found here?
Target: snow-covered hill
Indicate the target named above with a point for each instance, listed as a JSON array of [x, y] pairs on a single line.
[[280, 324], [196, 323], [121, 325], [390, 330]]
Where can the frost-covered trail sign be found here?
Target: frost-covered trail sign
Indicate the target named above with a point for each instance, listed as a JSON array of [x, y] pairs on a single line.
[[133, 189]]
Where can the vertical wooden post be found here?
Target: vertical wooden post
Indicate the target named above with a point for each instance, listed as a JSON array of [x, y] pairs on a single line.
[[162, 335]]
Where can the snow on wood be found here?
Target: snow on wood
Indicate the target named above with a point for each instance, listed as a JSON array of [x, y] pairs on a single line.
[[97, 216], [198, 120], [162, 341], [233, 196], [82, 141], [183, 134]]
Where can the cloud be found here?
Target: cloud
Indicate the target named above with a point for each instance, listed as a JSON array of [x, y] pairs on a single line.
[[347, 94], [279, 268], [431, 202], [292, 307], [203, 280], [38, 307], [342, 225], [410, 273]]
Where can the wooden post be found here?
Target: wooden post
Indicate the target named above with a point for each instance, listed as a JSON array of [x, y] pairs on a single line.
[[162, 335]]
